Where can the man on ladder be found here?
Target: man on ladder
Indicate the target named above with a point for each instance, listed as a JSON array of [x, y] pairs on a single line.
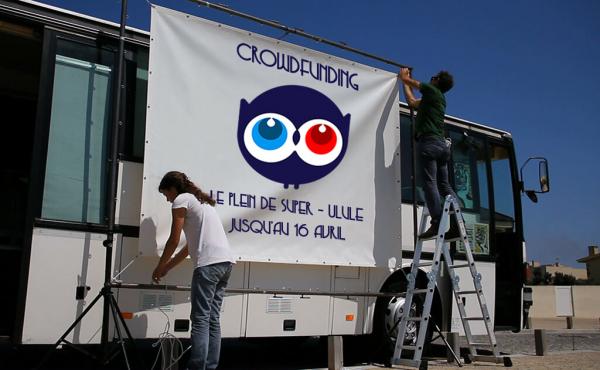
[[434, 153], [433, 147]]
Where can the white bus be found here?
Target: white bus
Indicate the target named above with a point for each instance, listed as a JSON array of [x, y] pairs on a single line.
[[56, 86]]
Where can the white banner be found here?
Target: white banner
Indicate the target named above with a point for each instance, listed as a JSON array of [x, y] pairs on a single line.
[[298, 148]]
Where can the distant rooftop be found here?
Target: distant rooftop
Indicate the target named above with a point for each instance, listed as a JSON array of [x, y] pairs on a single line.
[[593, 254]]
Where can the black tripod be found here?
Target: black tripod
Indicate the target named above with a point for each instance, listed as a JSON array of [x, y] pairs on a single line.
[[119, 322]]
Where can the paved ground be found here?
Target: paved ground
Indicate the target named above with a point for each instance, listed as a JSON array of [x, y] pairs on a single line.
[[556, 340], [569, 349], [558, 360]]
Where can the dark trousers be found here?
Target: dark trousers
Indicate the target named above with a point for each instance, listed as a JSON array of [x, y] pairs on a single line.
[[434, 154]]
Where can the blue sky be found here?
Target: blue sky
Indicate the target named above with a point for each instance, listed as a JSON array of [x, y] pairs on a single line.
[[528, 67]]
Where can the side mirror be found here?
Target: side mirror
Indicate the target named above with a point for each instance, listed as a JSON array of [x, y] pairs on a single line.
[[543, 178]]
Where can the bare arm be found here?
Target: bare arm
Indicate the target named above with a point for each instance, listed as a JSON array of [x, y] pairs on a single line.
[[409, 84], [176, 227], [176, 260]]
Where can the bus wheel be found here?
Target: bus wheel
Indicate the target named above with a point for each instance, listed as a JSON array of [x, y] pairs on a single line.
[[388, 312], [393, 314]]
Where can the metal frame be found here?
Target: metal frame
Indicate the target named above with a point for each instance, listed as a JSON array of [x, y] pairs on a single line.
[[297, 31], [275, 292]]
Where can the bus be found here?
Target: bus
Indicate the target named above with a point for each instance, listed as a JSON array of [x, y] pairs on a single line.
[[56, 84]]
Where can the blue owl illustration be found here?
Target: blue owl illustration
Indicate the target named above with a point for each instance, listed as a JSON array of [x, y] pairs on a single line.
[[292, 134]]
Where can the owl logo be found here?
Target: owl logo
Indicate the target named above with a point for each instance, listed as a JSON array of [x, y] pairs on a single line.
[[292, 134]]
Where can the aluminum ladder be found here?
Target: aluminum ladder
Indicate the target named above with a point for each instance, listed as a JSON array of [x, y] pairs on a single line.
[[450, 209]]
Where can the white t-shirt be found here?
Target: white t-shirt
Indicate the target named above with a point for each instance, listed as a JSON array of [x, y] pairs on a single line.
[[207, 243]]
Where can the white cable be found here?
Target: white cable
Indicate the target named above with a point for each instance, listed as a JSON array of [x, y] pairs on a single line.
[[172, 343], [126, 267]]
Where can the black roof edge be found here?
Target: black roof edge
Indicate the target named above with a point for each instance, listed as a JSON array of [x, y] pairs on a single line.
[[70, 21]]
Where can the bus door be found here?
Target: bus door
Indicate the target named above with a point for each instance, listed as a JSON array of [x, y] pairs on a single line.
[[21, 45], [484, 180]]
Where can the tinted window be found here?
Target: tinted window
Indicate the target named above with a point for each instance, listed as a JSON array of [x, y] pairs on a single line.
[[503, 189], [136, 74], [406, 163], [76, 173], [470, 174]]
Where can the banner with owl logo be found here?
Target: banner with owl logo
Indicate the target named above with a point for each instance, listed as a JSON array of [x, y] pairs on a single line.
[[299, 149]]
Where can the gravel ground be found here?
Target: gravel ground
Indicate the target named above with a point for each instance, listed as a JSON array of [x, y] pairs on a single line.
[[556, 340], [569, 349], [558, 360]]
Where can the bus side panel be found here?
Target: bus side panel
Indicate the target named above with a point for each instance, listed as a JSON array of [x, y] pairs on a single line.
[[270, 315], [153, 310], [488, 282], [349, 312], [129, 193], [61, 261]]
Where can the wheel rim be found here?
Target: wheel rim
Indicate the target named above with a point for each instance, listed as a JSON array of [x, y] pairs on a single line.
[[393, 313]]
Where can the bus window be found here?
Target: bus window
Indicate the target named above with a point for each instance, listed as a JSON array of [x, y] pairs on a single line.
[[75, 176], [471, 186], [406, 164], [504, 201], [136, 75]]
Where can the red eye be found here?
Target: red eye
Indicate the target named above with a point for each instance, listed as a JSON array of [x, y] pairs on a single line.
[[321, 139]]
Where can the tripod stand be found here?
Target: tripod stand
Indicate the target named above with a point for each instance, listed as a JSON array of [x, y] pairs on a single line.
[[119, 322]]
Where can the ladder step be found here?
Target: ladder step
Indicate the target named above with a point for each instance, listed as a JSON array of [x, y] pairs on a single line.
[[409, 347], [419, 291], [492, 359], [407, 362], [463, 292], [425, 264], [415, 318], [474, 318], [459, 266], [480, 344]]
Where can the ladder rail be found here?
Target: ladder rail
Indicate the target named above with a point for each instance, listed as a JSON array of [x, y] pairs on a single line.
[[407, 302]]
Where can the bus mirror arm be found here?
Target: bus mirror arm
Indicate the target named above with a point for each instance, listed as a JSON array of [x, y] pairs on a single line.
[[532, 195]]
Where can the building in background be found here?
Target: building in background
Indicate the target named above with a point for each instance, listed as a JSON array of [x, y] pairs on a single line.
[[580, 274], [538, 274], [592, 262]]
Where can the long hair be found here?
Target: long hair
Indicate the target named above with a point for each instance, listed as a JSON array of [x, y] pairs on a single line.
[[182, 184]]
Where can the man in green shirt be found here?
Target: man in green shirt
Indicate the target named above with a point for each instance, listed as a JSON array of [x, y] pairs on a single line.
[[432, 147]]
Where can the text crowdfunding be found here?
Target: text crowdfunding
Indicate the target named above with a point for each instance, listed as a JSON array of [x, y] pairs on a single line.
[[291, 64]]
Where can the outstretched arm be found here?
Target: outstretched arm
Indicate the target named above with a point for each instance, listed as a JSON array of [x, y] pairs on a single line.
[[409, 84], [176, 227]]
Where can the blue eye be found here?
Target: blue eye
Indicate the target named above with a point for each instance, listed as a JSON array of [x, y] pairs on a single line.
[[269, 133]]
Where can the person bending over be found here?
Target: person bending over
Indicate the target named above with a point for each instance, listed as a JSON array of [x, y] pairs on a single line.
[[207, 245]]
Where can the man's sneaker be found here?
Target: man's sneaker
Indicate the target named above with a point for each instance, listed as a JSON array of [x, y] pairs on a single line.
[[431, 232], [453, 232]]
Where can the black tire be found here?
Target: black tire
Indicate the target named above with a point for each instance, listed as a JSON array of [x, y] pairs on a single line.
[[382, 343]]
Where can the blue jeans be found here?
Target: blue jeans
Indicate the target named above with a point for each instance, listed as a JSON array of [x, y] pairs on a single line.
[[434, 155], [208, 289]]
